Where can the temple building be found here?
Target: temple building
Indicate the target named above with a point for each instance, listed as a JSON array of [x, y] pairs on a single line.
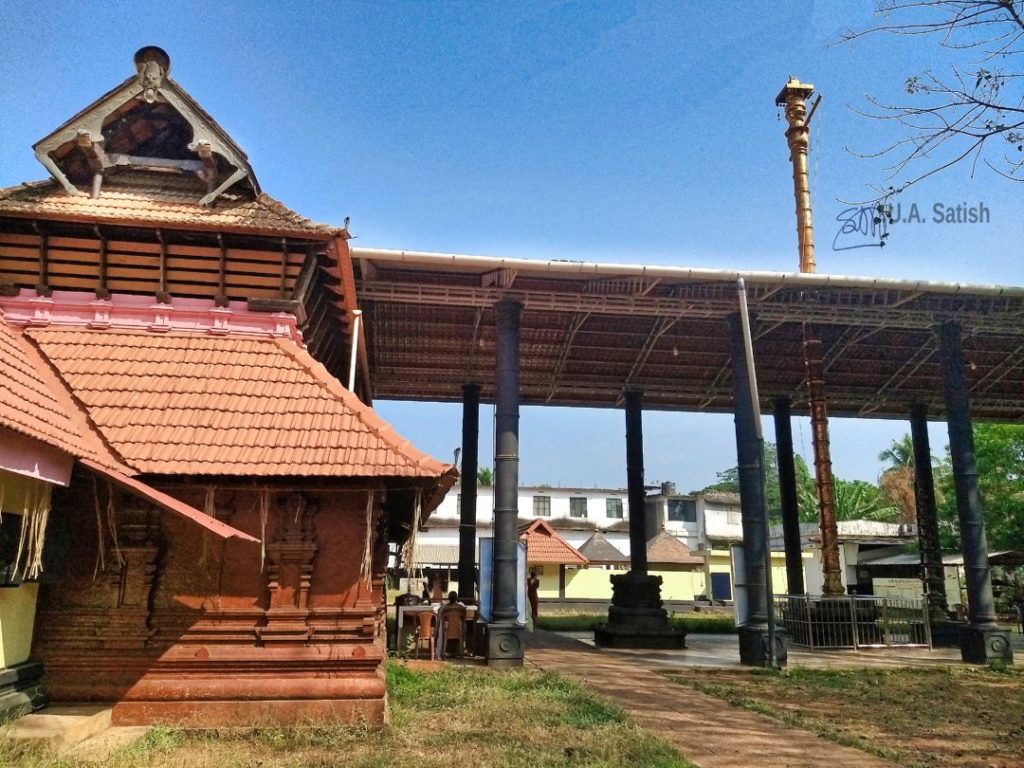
[[194, 512]]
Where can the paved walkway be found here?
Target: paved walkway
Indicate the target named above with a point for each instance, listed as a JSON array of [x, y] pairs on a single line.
[[706, 730]]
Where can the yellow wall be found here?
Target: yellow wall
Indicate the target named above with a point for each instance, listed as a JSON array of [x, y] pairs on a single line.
[[548, 575], [681, 585], [17, 614], [594, 582]]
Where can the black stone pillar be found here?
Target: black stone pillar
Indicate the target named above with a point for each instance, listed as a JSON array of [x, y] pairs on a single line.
[[753, 633], [635, 482], [787, 494], [504, 638], [636, 618], [467, 503], [982, 640], [932, 574]]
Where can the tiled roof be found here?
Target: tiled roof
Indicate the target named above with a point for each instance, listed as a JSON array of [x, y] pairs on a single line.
[[192, 404], [544, 545], [35, 402], [27, 404], [667, 549], [597, 549], [155, 199]]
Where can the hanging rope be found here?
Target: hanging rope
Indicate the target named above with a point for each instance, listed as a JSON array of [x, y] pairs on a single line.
[[101, 560], [409, 551], [112, 523], [35, 513], [264, 506], [366, 567]]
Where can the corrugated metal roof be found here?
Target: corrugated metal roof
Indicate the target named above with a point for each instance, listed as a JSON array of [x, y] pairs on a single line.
[[436, 554]]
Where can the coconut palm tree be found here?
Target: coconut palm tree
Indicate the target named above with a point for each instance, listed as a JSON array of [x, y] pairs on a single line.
[[897, 480]]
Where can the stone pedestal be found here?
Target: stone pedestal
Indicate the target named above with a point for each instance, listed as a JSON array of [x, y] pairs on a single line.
[[22, 690], [981, 645], [754, 645], [636, 618], [504, 645], [946, 633]]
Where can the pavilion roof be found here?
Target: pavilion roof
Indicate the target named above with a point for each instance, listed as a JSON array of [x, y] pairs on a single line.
[[544, 545], [589, 329]]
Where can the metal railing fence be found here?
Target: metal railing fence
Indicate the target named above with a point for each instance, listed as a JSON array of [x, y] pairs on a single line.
[[854, 621]]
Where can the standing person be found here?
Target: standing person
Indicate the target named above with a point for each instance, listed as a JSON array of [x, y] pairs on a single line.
[[532, 585]]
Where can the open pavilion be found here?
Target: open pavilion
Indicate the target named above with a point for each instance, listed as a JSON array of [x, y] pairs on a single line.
[[448, 327]]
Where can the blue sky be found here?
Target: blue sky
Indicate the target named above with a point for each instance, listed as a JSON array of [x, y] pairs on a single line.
[[604, 131]]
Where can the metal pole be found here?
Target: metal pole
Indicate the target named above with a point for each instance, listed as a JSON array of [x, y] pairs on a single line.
[[965, 479], [635, 481], [506, 462], [356, 316], [787, 494], [748, 349], [467, 499], [932, 570]]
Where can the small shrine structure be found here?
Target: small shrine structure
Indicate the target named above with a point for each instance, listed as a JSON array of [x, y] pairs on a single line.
[[195, 512]]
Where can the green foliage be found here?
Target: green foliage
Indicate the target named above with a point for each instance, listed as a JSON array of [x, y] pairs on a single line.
[[729, 482], [999, 453], [485, 476]]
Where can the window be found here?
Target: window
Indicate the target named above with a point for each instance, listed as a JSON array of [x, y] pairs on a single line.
[[682, 510], [577, 506], [613, 508], [542, 506]]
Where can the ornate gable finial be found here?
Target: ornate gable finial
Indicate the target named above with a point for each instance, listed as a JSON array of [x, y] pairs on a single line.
[[150, 124], [153, 65]]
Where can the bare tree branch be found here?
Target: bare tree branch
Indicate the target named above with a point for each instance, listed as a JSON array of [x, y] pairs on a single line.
[[971, 114]]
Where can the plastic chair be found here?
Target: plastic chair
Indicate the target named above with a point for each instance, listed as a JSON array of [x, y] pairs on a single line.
[[453, 619], [425, 635]]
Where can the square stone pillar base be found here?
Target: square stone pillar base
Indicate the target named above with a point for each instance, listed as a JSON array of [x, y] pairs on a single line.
[[754, 645], [947, 634], [22, 690], [504, 645], [980, 645], [636, 618]]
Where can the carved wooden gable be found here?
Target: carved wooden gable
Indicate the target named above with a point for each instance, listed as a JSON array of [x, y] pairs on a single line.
[[147, 123]]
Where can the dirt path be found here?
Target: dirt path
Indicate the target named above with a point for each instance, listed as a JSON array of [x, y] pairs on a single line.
[[706, 730]]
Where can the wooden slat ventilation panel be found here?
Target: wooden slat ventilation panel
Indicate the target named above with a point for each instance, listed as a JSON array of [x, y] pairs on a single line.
[[133, 266]]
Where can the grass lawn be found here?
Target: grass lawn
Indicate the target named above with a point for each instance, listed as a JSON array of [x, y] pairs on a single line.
[[955, 717], [460, 716]]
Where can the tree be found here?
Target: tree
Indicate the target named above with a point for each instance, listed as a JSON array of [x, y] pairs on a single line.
[[729, 482], [999, 452], [485, 476], [971, 107], [897, 480]]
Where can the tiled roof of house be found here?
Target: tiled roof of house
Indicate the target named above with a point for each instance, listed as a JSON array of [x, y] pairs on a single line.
[[192, 404], [27, 404], [668, 550], [544, 545], [597, 549], [148, 198]]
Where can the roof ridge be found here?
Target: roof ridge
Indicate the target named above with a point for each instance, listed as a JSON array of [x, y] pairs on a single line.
[[91, 435], [370, 419]]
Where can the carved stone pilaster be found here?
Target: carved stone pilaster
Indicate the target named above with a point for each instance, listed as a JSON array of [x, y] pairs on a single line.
[[290, 572]]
